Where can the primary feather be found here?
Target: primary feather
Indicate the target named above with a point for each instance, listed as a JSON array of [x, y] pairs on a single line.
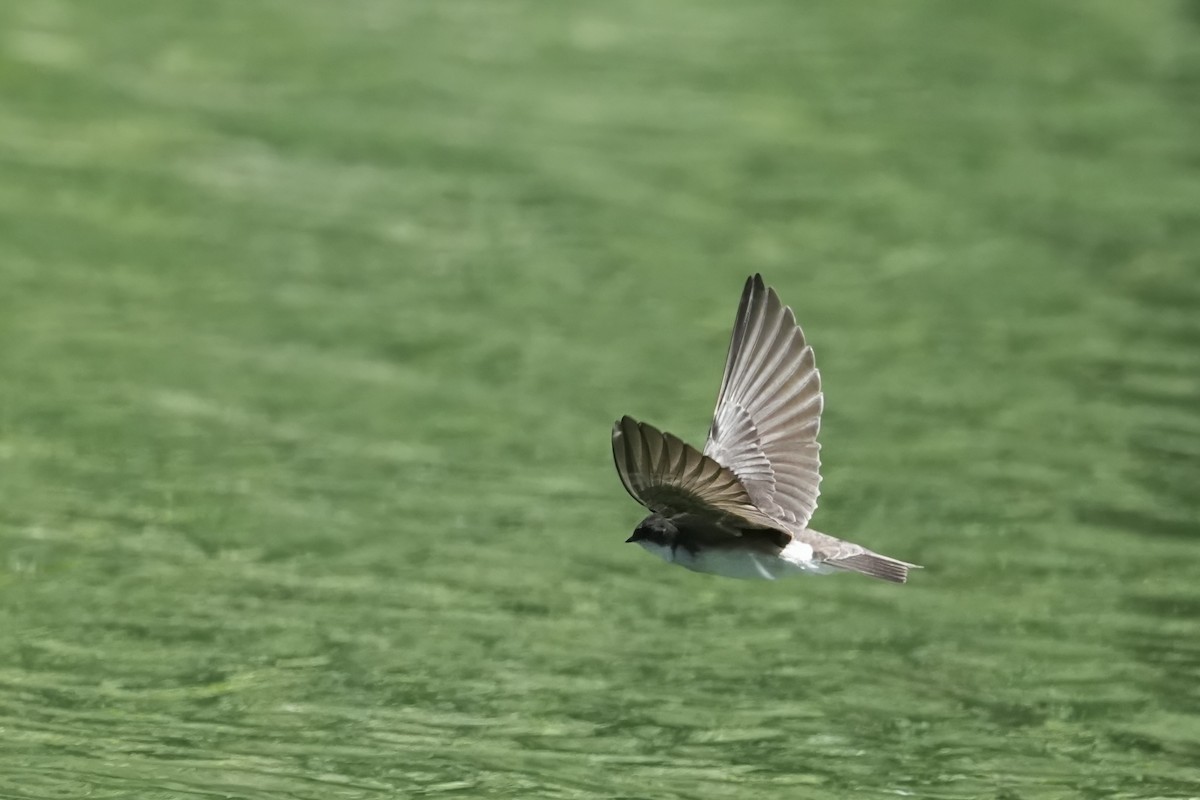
[[768, 411]]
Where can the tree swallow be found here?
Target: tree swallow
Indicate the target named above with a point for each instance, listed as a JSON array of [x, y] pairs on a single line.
[[741, 508]]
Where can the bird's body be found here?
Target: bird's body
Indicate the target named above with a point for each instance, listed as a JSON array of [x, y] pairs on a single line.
[[748, 557], [741, 508]]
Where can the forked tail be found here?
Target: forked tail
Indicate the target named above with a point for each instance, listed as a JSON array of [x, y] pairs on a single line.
[[875, 565]]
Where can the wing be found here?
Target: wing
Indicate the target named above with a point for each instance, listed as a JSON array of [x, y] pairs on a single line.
[[769, 409], [670, 477]]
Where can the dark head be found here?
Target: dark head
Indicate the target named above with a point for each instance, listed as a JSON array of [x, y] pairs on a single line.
[[654, 529]]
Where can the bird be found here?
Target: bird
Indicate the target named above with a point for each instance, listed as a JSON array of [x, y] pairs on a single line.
[[741, 508]]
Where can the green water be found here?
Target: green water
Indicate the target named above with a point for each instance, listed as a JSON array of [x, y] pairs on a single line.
[[314, 318]]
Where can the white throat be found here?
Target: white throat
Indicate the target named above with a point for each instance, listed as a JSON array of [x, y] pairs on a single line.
[[662, 551]]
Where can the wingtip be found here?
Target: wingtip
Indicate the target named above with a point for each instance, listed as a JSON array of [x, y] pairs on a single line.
[[757, 291], [755, 284]]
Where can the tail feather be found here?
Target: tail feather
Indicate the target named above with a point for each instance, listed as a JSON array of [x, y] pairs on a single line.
[[875, 565]]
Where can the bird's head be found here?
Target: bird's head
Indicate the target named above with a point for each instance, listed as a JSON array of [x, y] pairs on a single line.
[[655, 531]]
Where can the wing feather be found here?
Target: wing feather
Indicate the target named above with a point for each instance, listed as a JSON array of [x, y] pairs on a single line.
[[768, 413], [670, 477]]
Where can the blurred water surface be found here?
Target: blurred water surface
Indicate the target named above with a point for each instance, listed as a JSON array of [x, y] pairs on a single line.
[[314, 319]]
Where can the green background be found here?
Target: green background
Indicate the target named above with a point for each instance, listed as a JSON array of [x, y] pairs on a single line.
[[314, 318]]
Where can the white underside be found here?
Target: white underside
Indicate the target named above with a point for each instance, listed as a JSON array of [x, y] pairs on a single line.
[[797, 557]]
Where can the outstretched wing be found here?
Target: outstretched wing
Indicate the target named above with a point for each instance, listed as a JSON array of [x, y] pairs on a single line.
[[671, 477], [769, 409]]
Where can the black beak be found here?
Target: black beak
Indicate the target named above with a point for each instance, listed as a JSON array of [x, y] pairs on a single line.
[[632, 538]]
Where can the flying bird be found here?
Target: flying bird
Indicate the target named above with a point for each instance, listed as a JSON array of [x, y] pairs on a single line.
[[741, 508]]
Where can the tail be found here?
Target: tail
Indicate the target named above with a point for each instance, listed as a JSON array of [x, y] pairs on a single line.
[[875, 565]]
